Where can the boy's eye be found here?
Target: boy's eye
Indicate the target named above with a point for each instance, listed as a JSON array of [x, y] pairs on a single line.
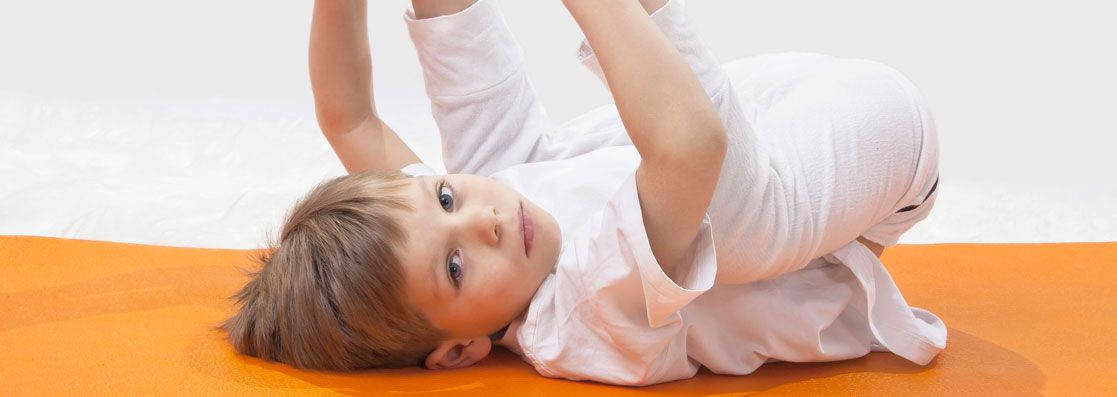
[[446, 197], [455, 267]]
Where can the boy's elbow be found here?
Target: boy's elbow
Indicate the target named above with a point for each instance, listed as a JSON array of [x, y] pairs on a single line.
[[333, 121], [719, 140], [710, 148], [708, 138], [699, 147], [717, 144], [710, 143]]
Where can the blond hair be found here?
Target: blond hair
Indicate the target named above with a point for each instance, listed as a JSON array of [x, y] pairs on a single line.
[[330, 294]]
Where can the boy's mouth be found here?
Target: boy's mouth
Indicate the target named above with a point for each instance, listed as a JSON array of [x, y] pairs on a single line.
[[527, 229]]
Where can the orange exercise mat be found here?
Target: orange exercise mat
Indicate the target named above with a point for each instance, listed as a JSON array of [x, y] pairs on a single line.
[[88, 317]]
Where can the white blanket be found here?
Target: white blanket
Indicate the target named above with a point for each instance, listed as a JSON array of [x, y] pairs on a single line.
[[221, 172]]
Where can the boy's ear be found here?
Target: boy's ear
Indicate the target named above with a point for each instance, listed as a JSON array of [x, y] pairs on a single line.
[[459, 353]]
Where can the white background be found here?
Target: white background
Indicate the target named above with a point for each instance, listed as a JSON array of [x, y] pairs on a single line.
[[191, 123]]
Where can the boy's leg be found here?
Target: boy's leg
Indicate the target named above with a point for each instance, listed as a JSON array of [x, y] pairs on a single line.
[[920, 197], [814, 184]]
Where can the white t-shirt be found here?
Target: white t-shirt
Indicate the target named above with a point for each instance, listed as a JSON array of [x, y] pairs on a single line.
[[608, 313]]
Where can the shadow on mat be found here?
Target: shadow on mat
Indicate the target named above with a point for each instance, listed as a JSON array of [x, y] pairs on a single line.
[[969, 365]]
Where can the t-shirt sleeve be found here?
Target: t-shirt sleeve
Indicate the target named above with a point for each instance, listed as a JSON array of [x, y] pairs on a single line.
[[612, 314], [663, 294], [486, 109]]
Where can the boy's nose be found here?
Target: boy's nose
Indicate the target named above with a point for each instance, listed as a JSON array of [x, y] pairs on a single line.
[[487, 223]]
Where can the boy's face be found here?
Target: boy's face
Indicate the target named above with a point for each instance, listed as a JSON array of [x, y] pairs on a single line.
[[467, 266]]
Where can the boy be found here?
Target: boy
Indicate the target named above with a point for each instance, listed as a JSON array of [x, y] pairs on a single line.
[[713, 220]]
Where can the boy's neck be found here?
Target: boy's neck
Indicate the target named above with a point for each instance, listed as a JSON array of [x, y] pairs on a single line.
[[498, 335]]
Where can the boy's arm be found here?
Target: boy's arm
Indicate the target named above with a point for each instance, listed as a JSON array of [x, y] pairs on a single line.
[[341, 78], [668, 115]]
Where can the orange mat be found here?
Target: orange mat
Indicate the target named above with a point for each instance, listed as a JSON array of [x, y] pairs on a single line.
[[88, 317]]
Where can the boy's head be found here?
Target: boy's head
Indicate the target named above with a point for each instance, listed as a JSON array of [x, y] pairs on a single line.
[[382, 270]]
